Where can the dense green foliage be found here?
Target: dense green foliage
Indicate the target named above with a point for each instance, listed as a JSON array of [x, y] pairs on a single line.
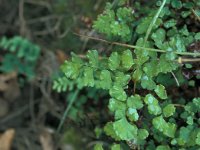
[[145, 115], [21, 56]]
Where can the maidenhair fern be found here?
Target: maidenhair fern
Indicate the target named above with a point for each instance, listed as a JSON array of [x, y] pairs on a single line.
[[144, 115]]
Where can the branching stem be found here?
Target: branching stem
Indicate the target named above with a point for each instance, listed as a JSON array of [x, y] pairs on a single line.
[[139, 47], [67, 110], [154, 21], [197, 16], [179, 105]]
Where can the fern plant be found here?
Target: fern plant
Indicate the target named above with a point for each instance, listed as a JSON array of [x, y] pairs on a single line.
[[21, 56], [138, 73]]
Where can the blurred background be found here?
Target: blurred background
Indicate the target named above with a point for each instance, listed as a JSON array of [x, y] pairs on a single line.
[[36, 36]]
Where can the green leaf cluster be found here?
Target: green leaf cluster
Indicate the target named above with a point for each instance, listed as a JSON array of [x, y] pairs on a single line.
[[21, 56], [144, 110], [116, 23]]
